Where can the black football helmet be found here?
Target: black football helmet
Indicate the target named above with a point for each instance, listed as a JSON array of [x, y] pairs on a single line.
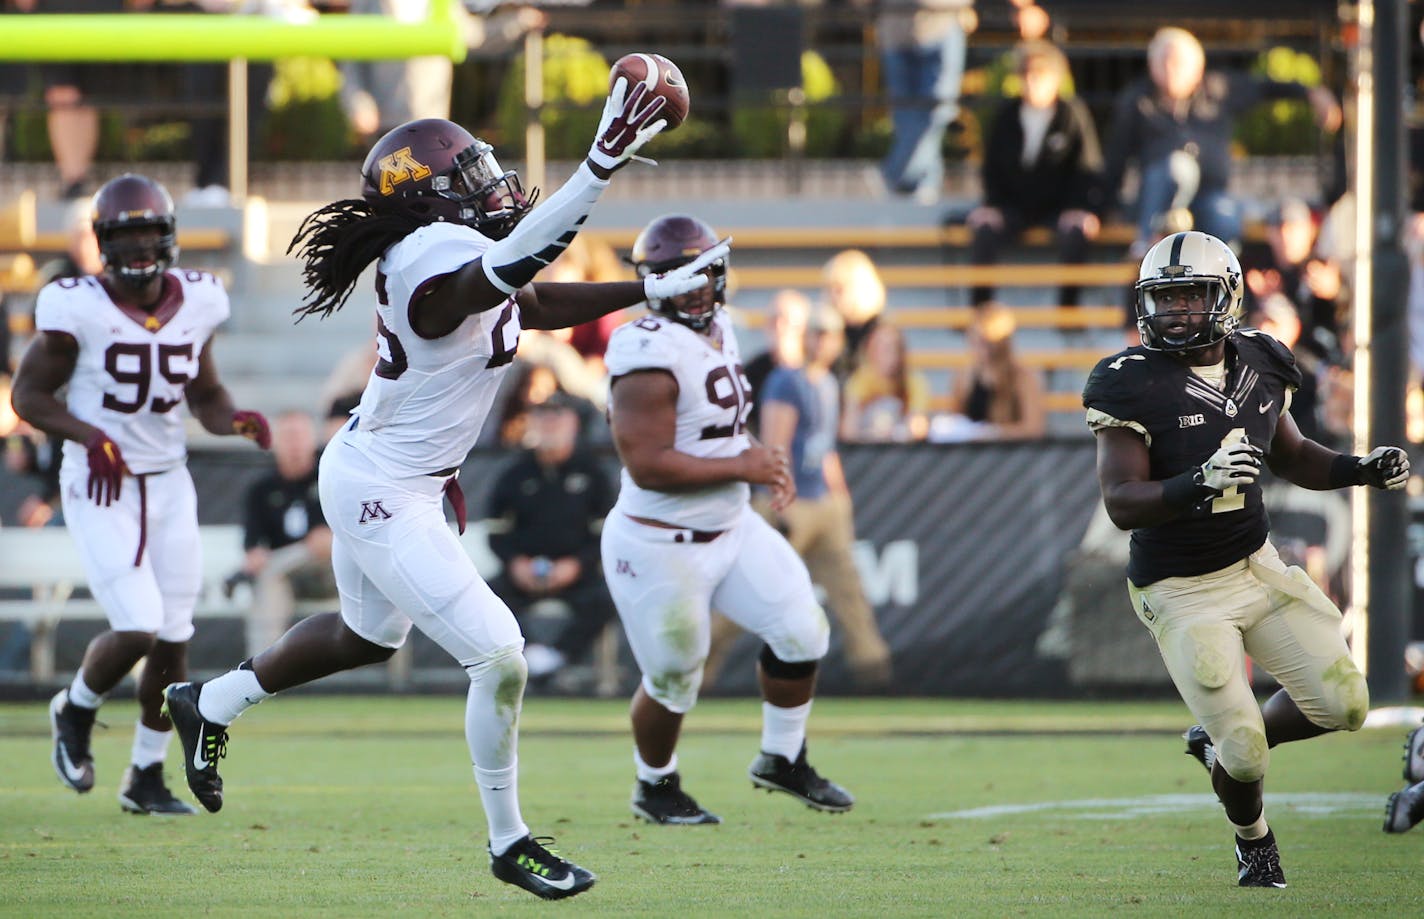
[[672, 241], [434, 170], [131, 202], [1196, 263]]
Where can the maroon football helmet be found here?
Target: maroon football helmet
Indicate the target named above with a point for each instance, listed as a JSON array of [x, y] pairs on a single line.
[[672, 241], [434, 170], [134, 202]]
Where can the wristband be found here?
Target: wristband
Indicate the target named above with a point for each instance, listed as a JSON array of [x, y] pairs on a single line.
[[1184, 491], [1345, 471]]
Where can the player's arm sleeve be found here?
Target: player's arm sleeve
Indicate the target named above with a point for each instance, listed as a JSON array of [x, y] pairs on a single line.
[[1107, 398], [632, 348], [54, 311], [438, 251]]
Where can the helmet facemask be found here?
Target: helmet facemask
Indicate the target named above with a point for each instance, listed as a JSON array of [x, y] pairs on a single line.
[[490, 199], [1207, 319], [134, 261], [690, 309]]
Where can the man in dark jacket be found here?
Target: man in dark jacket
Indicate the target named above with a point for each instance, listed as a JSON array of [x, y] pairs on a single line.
[[1042, 164], [1177, 125], [546, 517]]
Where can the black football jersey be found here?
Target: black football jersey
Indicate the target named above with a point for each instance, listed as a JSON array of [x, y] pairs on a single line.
[[1184, 420]]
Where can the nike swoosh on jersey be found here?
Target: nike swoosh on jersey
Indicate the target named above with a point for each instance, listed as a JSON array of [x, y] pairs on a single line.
[[1264, 407], [74, 772]]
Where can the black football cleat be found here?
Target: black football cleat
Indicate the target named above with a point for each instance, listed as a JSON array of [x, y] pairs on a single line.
[[665, 802], [1414, 756], [800, 780], [204, 743], [531, 864], [1258, 862], [1200, 747], [145, 792], [1405, 809], [71, 726]]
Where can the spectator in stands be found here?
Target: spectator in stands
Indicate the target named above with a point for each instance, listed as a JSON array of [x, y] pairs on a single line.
[[801, 414], [1287, 266], [922, 47], [1041, 167], [1177, 126], [785, 333], [284, 534], [997, 392], [379, 95], [546, 515], [885, 399], [341, 392], [70, 93], [854, 289]]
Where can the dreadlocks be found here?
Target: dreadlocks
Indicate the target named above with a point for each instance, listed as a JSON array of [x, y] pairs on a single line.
[[337, 242]]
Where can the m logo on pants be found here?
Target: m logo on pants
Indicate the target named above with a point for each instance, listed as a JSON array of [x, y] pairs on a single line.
[[372, 510]]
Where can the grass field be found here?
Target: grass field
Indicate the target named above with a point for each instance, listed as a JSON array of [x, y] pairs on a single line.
[[366, 807]]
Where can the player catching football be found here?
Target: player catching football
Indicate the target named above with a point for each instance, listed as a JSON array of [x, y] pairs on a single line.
[[682, 539], [132, 343], [457, 247], [1183, 423]]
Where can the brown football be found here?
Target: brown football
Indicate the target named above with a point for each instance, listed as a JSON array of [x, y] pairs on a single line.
[[662, 78]]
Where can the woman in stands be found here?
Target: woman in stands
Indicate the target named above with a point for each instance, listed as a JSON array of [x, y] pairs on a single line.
[[884, 399]]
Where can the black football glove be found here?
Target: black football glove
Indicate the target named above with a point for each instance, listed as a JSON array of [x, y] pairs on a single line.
[[1384, 467]]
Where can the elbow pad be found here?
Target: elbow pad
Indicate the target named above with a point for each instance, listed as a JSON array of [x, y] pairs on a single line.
[[544, 233]]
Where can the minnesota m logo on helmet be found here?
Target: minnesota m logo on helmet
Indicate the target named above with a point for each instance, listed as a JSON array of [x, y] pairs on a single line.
[[399, 167]]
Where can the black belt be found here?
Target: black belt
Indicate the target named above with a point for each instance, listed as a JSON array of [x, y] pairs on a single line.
[[696, 535], [444, 472]]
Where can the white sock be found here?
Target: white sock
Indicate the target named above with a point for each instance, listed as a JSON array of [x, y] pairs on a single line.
[[653, 774], [228, 696], [783, 730], [499, 793], [492, 733], [81, 695], [1253, 831], [149, 746]]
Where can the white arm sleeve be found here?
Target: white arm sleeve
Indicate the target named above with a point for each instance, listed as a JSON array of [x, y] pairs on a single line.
[[544, 232]]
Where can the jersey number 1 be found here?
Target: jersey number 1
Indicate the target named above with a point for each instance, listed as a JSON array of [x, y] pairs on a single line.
[[1232, 499]]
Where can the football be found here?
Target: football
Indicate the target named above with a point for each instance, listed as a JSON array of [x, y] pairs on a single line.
[[662, 78]]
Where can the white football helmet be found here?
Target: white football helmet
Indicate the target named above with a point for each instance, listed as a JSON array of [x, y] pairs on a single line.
[[1187, 259]]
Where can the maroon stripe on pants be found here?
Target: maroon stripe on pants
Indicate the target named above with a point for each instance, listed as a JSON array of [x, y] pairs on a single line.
[[142, 517]]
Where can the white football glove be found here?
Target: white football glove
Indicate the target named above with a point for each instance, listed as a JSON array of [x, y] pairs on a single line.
[[1231, 465], [685, 278], [1384, 467], [629, 121]]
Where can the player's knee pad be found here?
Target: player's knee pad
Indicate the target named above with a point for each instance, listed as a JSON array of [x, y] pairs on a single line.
[[778, 669], [674, 691], [1243, 753], [1345, 697], [505, 670]]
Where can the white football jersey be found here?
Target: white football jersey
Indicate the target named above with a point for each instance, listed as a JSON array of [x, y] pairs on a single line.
[[713, 401], [133, 366], [427, 399]]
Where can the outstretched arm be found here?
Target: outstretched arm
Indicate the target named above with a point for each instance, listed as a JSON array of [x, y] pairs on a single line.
[[1299, 459]]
